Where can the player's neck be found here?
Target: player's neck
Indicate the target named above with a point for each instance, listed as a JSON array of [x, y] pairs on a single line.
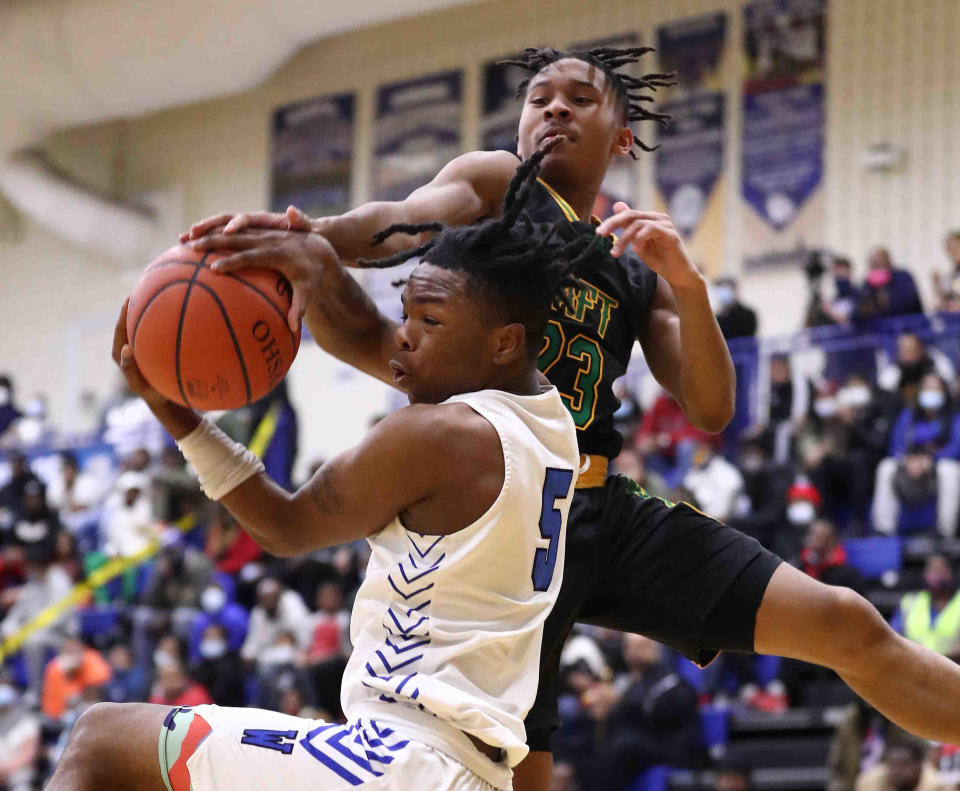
[[579, 196], [525, 382]]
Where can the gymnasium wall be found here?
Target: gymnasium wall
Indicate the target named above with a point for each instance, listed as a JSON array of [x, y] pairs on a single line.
[[892, 75]]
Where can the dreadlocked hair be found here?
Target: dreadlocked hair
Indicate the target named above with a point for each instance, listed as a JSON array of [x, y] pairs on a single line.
[[521, 267], [630, 91]]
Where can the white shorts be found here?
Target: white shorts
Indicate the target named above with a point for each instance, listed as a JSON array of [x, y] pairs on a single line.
[[214, 748]]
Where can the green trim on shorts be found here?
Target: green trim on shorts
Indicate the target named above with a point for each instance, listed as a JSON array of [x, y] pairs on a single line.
[[171, 742]]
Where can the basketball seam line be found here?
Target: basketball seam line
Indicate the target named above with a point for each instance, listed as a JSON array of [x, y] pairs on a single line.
[[233, 337], [143, 311], [293, 337], [183, 315]]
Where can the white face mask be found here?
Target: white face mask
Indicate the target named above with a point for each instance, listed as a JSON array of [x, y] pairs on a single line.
[[825, 407], [282, 654], [213, 599], [801, 512], [163, 659], [212, 648], [34, 408], [854, 396], [931, 399], [4, 396]]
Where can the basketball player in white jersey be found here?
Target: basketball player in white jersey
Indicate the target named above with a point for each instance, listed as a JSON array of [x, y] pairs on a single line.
[[463, 497]]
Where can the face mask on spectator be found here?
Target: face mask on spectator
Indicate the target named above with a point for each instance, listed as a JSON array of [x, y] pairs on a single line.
[[724, 296], [213, 599], [213, 648], [34, 408], [825, 407], [752, 462], [4, 396], [931, 399], [282, 654], [8, 695], [879, 277], [163, 659], [854, 396], [937, 584], [801, 512]]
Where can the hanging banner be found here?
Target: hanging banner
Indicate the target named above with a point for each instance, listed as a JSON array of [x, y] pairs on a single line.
[[416, 133], [783, 130], [620, 183], [312, 150], [500, 116], [689, 160]]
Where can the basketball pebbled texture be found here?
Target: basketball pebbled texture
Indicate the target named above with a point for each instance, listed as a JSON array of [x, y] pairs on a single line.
[[208, 340]]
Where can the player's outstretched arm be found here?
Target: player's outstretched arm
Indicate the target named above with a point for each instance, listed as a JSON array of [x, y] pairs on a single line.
[[682, 341], [353, 495], [467, 189]]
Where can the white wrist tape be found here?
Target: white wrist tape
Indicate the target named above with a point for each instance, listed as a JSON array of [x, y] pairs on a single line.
[[220, 463]]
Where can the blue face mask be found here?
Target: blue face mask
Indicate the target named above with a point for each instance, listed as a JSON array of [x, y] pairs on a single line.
[[844, 287]]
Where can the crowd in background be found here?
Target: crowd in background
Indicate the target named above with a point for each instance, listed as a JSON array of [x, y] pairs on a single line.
[[863, 444]]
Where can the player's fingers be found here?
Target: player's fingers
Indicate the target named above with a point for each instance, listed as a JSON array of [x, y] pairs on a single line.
[[128, 365], [642, 238], [298, 307], [621, 219], [259, 219], [626, 236], [269, 257], [204, 227], [221, 241], [297, 220], [120, 333]]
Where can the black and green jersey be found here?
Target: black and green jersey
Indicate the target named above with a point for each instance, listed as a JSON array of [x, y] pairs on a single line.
[[586, 347]]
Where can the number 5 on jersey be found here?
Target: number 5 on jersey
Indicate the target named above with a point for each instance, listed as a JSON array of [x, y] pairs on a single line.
[[555, 487]]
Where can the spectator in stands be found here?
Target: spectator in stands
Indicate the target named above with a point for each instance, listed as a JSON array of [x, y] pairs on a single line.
[[904, 768], [8, 409], [174, 687], [732, 777], [804, 505], [563, 777], [176, 492], [824, 558], [128, 680], [67, 556], [932, 616], [11, 494], [787, 404], [278, 610], [714, 482], [736, 320], [46, 583], [858, 744], [842, 449], [36, 525], [75, 495], [631, 464], [841, 306], [19, 741], [218, 610], [922, 468], [129, 524], [229, 547], [914, 361], [765, 484], [666, 439], [650, 717], [281, 666], [128, 424], [946, 286], [293, 702], [218, 668], [171, 599], [887, 290], [329, 644], [33, 426], [74, 670]]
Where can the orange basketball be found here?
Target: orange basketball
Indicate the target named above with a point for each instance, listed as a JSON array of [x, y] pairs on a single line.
[[209, 340]]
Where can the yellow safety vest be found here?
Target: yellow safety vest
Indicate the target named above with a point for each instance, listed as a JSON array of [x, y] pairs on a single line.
[[943, 633]]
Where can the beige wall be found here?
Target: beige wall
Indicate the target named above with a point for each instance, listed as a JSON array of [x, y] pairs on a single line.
[[892, 76]]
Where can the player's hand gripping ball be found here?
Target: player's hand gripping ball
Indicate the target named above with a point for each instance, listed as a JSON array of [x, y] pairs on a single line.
[[209, 340]]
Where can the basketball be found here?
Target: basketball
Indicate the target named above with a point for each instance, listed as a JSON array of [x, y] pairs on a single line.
[[208, 340]]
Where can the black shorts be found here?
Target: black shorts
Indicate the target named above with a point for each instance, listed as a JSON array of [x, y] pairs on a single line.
[[638, 564]]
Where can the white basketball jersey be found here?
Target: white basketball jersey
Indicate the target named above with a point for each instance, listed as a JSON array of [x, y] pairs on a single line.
[[449, 627]]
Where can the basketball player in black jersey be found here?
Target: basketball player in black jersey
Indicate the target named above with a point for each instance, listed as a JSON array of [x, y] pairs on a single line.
[[633, 562]]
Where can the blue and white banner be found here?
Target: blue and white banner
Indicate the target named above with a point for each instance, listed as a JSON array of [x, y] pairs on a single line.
[[312, 155], [783, 129], [689, 160]]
